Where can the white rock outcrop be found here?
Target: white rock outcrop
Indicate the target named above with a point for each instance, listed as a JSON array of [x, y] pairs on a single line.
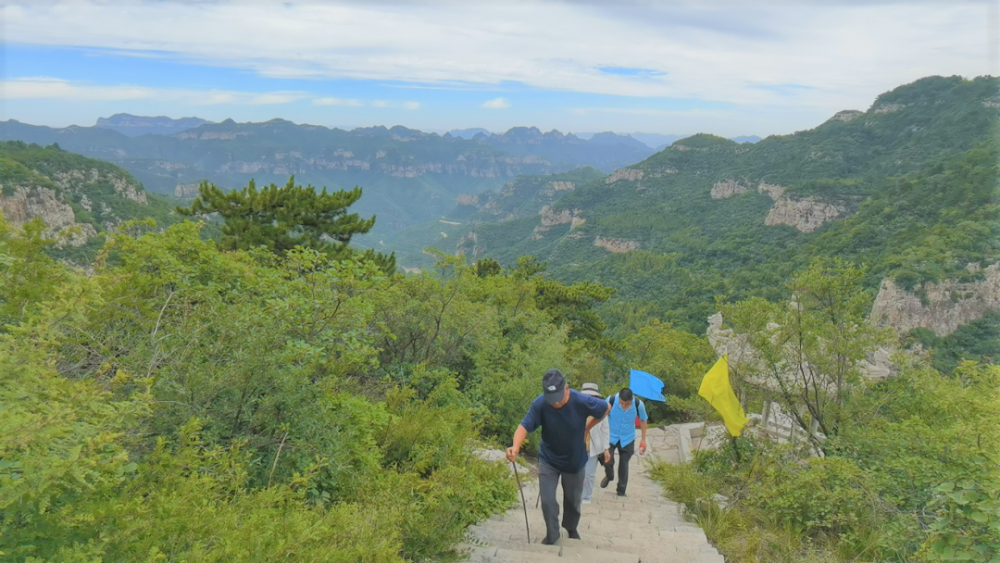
[[846, 116], [743, 356], [616, 245], [26, 204], [630, 174], [772, 191], [947, 305], [806, 215], [468, 199], [888, 108], [729, 188], [551, 218]]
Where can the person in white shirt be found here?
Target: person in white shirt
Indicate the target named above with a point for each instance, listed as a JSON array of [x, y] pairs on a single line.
[[598, 442]]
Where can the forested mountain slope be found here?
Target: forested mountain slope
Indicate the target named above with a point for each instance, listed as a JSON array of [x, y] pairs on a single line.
[[907, 187], [76, 197], [409, 176]]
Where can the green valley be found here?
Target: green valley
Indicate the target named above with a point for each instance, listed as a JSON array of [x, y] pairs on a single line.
[[907, 187], [409, 176]]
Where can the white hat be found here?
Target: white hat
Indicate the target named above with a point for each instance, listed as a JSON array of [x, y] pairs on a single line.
[[590, 389]]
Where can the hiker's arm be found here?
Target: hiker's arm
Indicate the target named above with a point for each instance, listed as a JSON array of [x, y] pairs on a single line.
[[642, 441], [519, 437], [593, 421]]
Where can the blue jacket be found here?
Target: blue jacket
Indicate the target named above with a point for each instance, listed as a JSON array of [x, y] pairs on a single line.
[[623, 422]]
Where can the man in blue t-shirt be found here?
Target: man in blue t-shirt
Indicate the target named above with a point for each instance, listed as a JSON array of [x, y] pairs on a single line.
[[624, 410], [562, 413]]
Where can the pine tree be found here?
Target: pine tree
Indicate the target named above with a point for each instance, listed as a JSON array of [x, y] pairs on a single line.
[[283, 218]]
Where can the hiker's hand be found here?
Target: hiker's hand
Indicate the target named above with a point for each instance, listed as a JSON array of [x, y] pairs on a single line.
[[511, 454], [607, 456], [642, 447]]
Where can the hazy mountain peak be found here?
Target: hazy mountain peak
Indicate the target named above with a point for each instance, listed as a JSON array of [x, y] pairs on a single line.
[[135, 125], [468, 133]]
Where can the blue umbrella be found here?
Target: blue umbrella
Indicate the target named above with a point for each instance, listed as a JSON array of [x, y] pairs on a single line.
[[646, 385]]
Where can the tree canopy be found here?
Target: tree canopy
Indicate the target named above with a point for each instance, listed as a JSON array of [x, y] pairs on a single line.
[[282, 218]]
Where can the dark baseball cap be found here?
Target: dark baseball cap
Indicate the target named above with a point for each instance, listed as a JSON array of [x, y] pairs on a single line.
[[553, 384]]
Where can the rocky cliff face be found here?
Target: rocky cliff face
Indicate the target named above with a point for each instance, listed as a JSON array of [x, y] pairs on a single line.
[[806, 214], [729, 188], [617, 245], [31, 202], [946, 305], [629, 174], [846, 116], [551, 218], [76, 197], [743, 356], [79, 179]]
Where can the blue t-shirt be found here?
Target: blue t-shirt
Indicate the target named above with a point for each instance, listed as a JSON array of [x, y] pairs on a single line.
[[622, 422], [562, 446]]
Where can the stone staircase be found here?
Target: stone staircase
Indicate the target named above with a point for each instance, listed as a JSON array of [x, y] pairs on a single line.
[[644, 527]]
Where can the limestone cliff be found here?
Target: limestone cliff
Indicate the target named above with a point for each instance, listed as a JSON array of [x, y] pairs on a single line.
[[29, 202], [729, 188], [629, 174], [946, 305], [616, 244], [551, 218], [76, 197], [743, 357], [806, 215], [77, 180], [846, 116]]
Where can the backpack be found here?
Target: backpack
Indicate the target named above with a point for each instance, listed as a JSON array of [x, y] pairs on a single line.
[[638, 422]]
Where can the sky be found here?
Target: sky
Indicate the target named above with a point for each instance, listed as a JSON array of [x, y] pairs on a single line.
[[729, 68]]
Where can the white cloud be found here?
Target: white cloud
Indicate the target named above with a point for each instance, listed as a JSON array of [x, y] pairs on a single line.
[[411, 105], [845, 53], [337, 102], [496, 103], [57, 89]]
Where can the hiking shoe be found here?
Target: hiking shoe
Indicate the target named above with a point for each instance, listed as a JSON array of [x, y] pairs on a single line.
[[574, 535], [623, 495], [604, 483], [585, 501], [547, 541]]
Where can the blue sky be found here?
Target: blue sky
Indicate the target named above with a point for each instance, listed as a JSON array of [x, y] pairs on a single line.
[[723, 68]]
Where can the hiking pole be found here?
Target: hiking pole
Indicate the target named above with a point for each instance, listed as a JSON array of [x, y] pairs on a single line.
[[523, 504]]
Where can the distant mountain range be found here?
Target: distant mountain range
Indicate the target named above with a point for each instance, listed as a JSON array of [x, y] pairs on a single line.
[[408, 175], [468, 133], [135, 125], [907, 187], [659, 142], [654, 141]]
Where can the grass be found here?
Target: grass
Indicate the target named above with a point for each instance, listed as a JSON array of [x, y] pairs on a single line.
[[745, 534]]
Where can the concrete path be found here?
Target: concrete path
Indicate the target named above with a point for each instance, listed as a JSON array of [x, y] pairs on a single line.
[[644, 527]]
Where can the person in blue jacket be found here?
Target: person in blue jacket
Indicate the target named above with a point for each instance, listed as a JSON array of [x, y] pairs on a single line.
[[625, 407], [562, 413]]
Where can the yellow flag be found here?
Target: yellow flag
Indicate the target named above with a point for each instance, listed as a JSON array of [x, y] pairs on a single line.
[[716, 390]]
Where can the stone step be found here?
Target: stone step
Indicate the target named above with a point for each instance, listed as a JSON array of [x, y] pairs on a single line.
[[590, 555], [680, 557], [644, 527], [519, 556]]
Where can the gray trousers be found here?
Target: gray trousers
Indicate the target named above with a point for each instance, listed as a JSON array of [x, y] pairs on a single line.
[[572, 483]]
